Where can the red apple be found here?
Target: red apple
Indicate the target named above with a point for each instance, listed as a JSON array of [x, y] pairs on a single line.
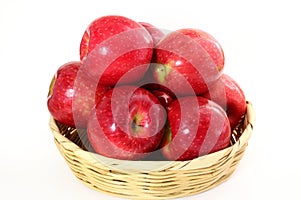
[[164, 98], [228, 94], [126, 124], [113, 46], [163, 94], [188, 61], [155, 33], [71, 96], [197, 126]]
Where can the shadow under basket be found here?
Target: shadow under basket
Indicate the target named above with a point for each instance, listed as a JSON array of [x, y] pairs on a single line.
[[151, 179]]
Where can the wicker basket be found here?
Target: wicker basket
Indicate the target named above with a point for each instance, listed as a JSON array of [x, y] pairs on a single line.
[[152, 179]]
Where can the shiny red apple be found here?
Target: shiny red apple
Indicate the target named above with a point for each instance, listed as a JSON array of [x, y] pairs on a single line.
[[72, 96], [113, 46], [196, 127], [188, 61], [126, 124], [163, 94], [229, 95], [164, 98]]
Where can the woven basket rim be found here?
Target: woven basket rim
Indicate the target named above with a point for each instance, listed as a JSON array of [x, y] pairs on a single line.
[[141, 165]]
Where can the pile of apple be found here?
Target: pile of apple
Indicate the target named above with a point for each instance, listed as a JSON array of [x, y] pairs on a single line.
[[137, 91]]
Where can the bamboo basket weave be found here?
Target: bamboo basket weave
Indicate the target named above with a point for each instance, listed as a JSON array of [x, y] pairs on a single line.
[[152, 179]]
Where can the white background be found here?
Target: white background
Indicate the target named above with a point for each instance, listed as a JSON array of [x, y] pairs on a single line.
[[261, 44]]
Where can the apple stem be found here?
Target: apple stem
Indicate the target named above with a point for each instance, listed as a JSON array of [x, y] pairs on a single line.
[[162, 71], [137, 124], [135, 127]]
